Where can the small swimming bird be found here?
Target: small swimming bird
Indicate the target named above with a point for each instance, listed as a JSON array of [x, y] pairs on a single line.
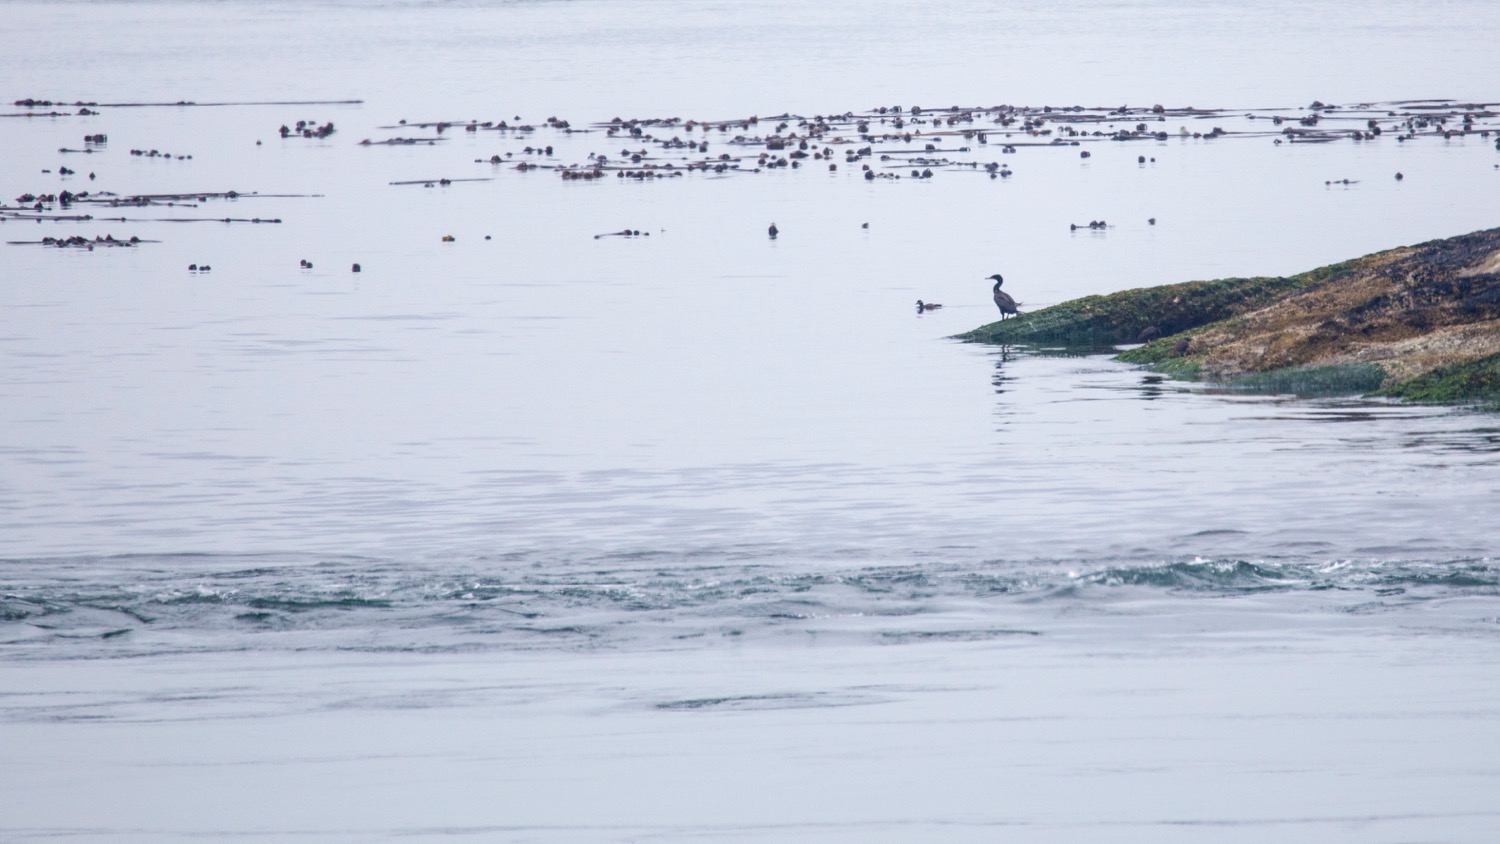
[[1003, 301], [926, 306], [773, 231]]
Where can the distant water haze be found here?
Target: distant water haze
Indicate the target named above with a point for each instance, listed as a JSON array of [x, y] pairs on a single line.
[[524, 533], [603, 57]]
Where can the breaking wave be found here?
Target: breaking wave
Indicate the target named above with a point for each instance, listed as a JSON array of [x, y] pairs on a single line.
[[143, 604]]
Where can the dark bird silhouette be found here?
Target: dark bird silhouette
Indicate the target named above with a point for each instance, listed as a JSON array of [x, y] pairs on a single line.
[[773, 231], [1003, 301], [926, 306]]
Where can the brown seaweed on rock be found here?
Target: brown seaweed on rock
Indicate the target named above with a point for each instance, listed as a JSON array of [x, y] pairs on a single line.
[[1421, 322], [1410, 311]]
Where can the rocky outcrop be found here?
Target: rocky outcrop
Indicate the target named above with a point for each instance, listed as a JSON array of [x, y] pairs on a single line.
[[1421, 322]]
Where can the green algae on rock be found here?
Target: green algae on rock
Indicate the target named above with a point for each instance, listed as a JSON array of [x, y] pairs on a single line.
[[1340, 379], [1420, 323], [1474, 382], [1119, 318]]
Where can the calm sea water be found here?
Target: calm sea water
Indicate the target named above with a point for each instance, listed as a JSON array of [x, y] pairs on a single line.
[[538, 535]]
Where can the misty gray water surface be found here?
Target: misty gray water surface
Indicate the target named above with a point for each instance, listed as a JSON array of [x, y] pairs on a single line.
[[538, 535]]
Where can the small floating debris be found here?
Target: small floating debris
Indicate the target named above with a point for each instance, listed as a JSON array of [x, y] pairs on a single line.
[[1096, 225], [448, 238], [620, 233]]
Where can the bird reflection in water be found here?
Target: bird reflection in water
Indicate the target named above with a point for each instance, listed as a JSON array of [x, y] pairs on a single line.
[[999, 379], [1151, 388]]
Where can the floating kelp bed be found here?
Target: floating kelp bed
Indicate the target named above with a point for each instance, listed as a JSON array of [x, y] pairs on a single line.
[[151, 153], [55, 207], [171, 198], [87, 109], [81, 242], [444, 181], [251, 220], [400, 142], [878, 140], [85, 218], [950, 137], [44, 206], [886, 143], [307, 129]]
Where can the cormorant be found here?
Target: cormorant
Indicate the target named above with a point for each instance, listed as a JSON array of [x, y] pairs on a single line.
[[1003, 301]]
